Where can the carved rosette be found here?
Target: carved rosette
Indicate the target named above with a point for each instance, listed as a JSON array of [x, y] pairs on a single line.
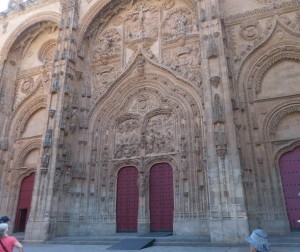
[[141, 24], [47, 52], [250, 30]]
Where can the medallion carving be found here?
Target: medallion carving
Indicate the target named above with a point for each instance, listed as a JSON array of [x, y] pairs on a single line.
[[250, 30]]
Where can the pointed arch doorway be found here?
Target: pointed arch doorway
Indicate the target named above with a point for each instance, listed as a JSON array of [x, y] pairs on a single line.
[[290, 176], [127, 200], [24, 203], [161, 198]]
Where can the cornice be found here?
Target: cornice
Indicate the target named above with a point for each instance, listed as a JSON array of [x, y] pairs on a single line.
[[264, 12], [9, 14]]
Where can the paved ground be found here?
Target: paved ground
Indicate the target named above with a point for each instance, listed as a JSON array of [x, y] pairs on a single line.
[[102, 248]]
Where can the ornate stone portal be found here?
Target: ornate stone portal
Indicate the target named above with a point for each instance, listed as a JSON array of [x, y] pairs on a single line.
[[109, 85]]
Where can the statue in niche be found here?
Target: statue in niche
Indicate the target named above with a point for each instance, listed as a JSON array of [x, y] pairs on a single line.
[[54, 85], [218, 110], [45, 160], [221, 140], [184, 167], [142, 184], [74, 120], [67, 178], [48, 138]]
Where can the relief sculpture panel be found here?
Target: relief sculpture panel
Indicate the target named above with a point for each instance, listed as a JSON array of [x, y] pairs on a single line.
[[141, 23], [160, 134], [105, 61], [127, 139], [179, 23]]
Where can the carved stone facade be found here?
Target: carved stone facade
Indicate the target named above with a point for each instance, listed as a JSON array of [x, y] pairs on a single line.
[[206, 88]]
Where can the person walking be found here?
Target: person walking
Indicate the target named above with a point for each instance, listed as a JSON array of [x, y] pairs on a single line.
[[258, 241], [7, 243]]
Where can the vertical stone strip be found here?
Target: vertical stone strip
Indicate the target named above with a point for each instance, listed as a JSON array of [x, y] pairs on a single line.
[[228, 218], [55, 154]]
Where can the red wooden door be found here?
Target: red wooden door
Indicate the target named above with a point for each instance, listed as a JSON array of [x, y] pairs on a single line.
[[127, 200], [161, 198], [24, 203], [290, 176]]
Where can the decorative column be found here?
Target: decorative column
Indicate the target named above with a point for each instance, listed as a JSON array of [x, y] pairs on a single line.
[[55, 155], [228, 218]]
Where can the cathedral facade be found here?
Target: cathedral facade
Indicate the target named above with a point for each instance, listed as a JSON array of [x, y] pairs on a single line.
[[150, 116]]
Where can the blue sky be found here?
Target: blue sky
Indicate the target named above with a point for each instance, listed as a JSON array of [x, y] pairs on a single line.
[[3, 5]]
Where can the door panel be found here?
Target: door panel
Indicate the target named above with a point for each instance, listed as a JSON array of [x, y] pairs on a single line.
[[24, 203], [127, 200], [290, 176], [161, 198]]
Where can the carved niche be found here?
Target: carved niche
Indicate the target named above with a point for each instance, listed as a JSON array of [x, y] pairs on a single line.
[[141, 24]]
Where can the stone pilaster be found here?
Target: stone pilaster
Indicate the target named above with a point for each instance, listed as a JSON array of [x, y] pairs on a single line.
[[228, 218], [42, 219]]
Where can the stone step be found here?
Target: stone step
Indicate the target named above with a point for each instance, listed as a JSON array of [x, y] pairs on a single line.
[[280, 241], [290, 240]]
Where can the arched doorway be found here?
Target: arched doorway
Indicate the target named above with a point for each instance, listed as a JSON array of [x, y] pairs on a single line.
[[127, 200], [290, 176], [161, 198], [24, 203]]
